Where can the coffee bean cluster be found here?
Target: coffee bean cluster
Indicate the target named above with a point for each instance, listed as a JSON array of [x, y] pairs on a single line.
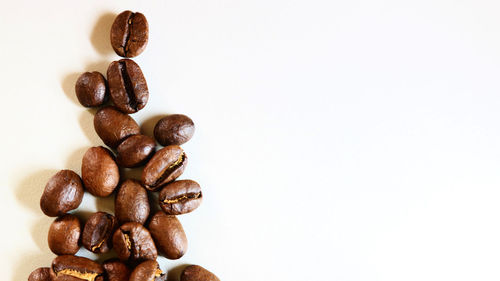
[[136, 234]]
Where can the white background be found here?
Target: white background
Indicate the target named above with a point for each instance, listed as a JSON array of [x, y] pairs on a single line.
[[335, 140]]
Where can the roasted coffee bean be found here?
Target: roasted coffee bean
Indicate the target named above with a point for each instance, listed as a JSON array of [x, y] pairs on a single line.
[[73, 268], [64, 235], [100, 173], [91, 89], [135, 151], [133, 242], [166, 165], [168, 235], [41, 274], [63, 193], [127, 85], [180, 197], [113, 126], [98, 232], [131, 202], [174, 129], [129, 34], [148, 271], [197, 273], [116, 270]]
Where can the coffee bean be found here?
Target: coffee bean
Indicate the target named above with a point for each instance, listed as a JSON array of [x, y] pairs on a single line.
[[73, 268], [98, 231], [127, 85], [166, 165], [129, 34], [116, 270], [91, 89], [180, 197], [64, 235], [174, 129], [131, 202], [41, 274], [168, 235], [135, 151], [197, 273], [113, 126], [133, 242], [100, 173], [63, 193], [148, 271]]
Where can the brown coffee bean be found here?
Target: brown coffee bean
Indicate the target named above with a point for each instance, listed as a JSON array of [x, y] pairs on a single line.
[[127, 85], [168, 235], [148, 271], [63, 193], [113, 126], [73, 268], [166, 165], [133, 242], [91, 89], [174, 129], [131, 202], [180, 197], [129, 34], [41, 274], [197, 273], [100, 173], [116, 270], [98, 231], [135, 151], [64, 235]]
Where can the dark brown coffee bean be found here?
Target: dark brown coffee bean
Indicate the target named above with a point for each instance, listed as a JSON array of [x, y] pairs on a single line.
[[98, 232], [135, 151], [116, 270], [64, 235], [91, 89], [166, 165], [133, 242], [197, 273], [168, 235], [129, 34], [41, 274], [63, 193], [148, 270], [113, 126], [100, 173], [131, 202], [180, 197], [73, 268], [127, 85], [174, 129]]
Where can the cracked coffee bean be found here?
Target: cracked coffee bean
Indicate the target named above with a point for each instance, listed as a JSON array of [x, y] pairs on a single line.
[[63, 193], [127, 85], [135, 151], [197, 273], [165, 166], [91, 89], [41, 274], [133, 242], [113, 126], [148, 271], [98, 231], [100, 173], [131, 202], [116, 270], [73, 268], [175, 129], [129, 34], [64, 235], [180, 197], [168, 235]]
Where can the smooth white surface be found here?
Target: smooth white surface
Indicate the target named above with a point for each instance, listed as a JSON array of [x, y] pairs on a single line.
[[336, 140]]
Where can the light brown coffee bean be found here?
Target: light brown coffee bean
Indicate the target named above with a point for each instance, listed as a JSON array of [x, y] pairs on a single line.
[[100, 173], [64, 235], [63, 193], [180, 197], [131, 202], [135, 151], [169, 235], [166, 165], [129, 34], [113, 126], [197, 273]]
